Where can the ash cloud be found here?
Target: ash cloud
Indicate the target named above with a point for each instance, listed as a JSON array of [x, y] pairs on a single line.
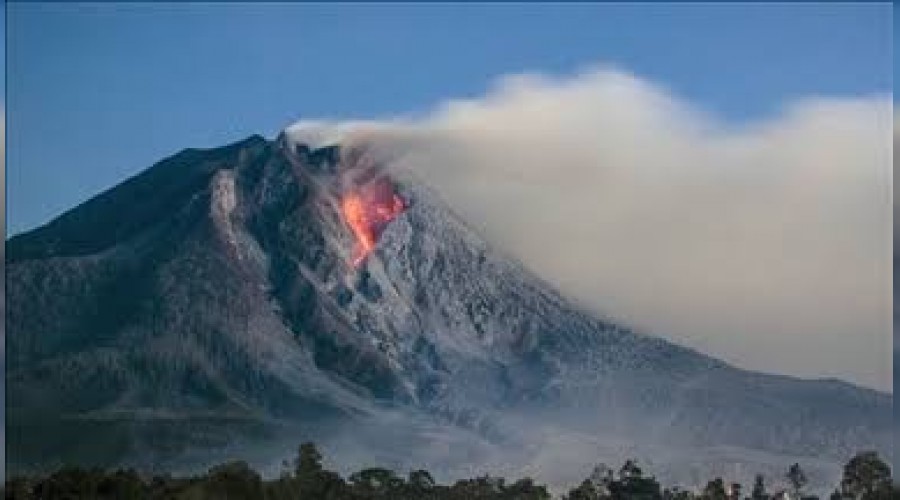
[[766, 244]]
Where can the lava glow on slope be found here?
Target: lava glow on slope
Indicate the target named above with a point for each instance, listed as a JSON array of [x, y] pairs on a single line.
[[368, 209]]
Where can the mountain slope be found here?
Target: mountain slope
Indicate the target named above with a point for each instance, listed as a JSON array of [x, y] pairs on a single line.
[[212, 302]]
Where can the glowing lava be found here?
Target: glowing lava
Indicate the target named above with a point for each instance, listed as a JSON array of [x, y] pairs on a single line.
[[368, 209]]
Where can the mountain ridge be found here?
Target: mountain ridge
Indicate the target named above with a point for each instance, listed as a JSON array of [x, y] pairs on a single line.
[[218, 284]]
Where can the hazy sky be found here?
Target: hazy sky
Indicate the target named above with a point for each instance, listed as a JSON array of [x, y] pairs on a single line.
[[791, 98]]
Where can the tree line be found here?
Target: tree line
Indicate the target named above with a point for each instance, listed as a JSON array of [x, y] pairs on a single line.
[[865, 477]]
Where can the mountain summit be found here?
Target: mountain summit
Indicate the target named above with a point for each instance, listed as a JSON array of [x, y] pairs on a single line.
[[265, 292]]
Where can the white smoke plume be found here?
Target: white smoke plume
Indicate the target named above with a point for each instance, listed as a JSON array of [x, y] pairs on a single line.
[[766, 244]]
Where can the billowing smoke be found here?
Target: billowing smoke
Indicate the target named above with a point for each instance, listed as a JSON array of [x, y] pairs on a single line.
[[766, 244]]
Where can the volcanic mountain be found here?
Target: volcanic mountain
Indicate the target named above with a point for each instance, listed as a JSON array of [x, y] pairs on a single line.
[[234, 301]]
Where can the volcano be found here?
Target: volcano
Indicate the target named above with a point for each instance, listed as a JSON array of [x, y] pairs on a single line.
[[235, 301]]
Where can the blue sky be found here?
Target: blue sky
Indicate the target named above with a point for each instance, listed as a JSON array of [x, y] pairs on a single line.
[[99, 92]]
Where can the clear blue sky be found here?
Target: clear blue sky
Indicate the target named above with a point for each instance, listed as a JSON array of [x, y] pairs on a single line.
[[99, 92]]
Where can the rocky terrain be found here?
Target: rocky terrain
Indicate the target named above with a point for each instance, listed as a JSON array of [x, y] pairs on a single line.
[[215, 302]]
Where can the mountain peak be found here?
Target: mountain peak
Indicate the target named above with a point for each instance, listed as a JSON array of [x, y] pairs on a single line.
[[217, 299], [138, 203]]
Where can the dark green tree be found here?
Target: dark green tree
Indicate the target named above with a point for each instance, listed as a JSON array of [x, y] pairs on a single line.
[[632, 485], [233, 481], [122, 484], [866, 477], [596, 486], [677, 493], [376, 482], [797, 479], [308, 461], [312, 480], [630, 469], [480, 488], [759, 489], [420, 484], [70, 482], [525, 489], [715, 490], [585, 491]]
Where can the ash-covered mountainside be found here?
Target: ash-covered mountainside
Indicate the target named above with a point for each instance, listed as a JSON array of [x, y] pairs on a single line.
[[219, 300]]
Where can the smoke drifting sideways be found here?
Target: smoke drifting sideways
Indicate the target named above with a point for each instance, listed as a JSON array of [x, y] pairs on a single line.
[[767, 244]]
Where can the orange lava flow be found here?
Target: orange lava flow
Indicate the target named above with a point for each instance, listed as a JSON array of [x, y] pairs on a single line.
[[367, 210]]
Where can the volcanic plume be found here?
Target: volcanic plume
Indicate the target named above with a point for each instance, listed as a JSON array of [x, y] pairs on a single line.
[[367, 209]]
